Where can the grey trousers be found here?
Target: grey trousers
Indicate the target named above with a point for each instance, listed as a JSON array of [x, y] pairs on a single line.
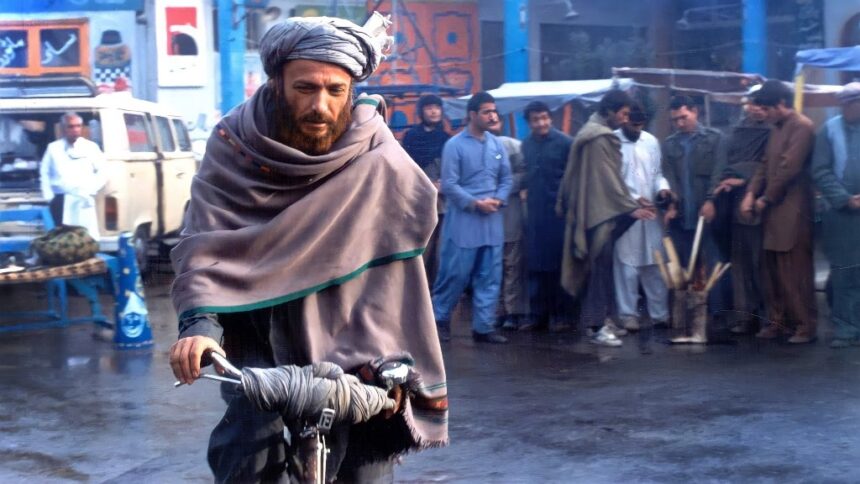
[[598, 302], [845, 313], [515, 298]]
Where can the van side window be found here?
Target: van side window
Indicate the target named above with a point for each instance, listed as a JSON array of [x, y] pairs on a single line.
[[164, 134], [139, 133], [182, 135]]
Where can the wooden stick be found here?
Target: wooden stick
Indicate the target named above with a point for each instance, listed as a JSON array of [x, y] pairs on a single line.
[[676, 273], [725, 268], [717, 275], [676, 270], [713, 277], [670, 250], [661, 264], [691, 264]]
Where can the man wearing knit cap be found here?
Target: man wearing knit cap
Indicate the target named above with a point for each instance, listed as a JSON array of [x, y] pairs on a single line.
[[301, 245], [836, 169], [424, 143]]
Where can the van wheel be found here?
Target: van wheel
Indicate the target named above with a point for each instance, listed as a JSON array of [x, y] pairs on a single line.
[[140, 242]]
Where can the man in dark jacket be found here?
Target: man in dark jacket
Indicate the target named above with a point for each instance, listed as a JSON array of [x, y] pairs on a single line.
[[545, 152], [744, 151], [690, 156], [424, 143]]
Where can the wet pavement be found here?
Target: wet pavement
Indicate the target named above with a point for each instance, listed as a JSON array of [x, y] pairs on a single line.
[[545, 408]]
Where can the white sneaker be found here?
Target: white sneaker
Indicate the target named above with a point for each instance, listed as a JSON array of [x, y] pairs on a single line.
[[614, 328], [605, 337]]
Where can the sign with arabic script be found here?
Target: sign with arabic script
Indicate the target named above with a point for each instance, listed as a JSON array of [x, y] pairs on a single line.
[[13, 49], [34, 48], [60, 47]]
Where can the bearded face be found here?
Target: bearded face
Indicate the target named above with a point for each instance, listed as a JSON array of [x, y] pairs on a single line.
[[312, 133], [313, 105]]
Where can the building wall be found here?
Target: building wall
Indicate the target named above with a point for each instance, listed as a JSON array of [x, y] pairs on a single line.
[[836, 14], [198, 100], [120, 55], [551, 13], [124, 41]]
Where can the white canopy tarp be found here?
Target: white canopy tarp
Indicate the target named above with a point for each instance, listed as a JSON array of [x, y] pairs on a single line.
[[512, 97]]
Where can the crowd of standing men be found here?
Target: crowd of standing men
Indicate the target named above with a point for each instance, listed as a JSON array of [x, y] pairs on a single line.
[[556, 230]]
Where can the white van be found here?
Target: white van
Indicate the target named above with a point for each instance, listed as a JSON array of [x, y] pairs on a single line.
[[147, 148]]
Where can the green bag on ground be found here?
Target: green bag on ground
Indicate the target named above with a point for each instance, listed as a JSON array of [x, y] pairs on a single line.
[[63, 245]]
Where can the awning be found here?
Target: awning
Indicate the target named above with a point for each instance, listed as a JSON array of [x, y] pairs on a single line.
[[512, 97], [839, 58], [690, 81]]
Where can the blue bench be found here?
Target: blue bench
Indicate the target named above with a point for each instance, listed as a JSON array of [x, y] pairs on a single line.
[[88, 278]]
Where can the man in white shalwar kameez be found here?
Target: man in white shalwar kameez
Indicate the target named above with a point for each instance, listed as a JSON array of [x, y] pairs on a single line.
[[72, 172], [634, 251]]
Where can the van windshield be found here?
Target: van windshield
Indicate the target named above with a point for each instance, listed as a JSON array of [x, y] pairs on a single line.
[[24, 137]]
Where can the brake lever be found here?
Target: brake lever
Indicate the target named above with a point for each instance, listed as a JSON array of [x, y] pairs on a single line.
[[221, 361]]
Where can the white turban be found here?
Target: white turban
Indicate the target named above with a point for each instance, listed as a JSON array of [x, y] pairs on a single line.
[[359, 50]]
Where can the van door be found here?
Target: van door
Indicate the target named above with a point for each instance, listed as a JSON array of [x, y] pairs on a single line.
[[135, 186], [177, 170]]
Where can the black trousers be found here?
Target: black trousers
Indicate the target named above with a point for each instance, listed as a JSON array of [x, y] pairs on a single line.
[[548, 300], [56, 208]]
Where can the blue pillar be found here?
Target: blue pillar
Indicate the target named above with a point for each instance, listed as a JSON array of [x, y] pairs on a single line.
[[516, 53], [231, 46], [755, 37], [516, 41]]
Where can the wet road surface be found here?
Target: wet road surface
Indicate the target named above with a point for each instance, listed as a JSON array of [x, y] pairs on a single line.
[[545, 408]]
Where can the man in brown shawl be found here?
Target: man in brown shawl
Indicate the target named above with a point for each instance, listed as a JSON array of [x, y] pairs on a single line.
[[781, 193], [598, 209], [302, 244]]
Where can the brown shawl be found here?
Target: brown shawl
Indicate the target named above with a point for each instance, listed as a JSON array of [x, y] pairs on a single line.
[[591, 193], [268, 224]]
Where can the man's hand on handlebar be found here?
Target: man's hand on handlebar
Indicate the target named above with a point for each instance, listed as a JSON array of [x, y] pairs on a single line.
[[186, 357]]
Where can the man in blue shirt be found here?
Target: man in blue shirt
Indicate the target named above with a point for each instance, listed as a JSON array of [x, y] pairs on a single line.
[[476, 181]]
